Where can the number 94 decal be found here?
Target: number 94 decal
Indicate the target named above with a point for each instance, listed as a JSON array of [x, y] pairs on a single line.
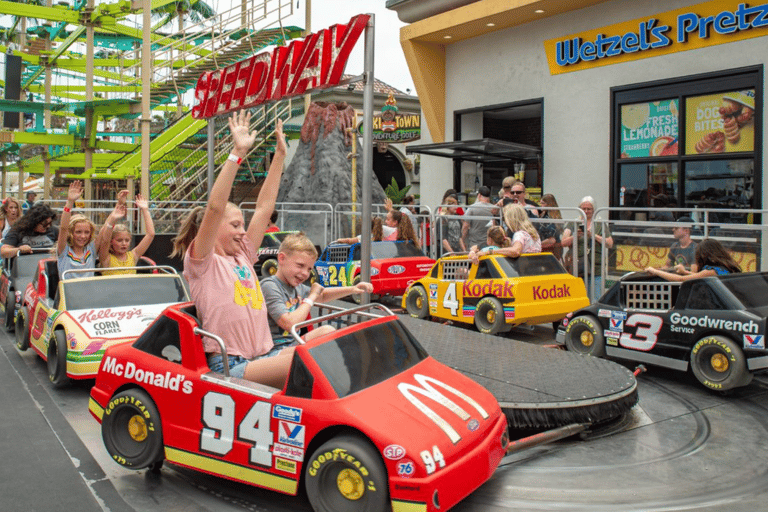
[[647, 328]]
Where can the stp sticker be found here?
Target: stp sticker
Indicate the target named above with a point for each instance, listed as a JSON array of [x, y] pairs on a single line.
[[754, 341], [394, 452]]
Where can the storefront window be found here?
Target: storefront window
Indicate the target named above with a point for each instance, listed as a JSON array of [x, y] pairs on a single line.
[[643, 185], [691, 143], [725, 184]]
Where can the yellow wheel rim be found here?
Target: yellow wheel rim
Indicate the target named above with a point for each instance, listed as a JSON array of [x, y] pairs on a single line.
[[586, 338], [272, 270], [491, 316], [137, 428], [419, 302], [350, 484], [719, 363]]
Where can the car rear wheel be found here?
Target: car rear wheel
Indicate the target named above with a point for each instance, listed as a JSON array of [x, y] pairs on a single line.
[[22, 332], [57, 359], [489, 316], [416, 302], [346, 474], [585, 336], [269, 268], [719, 364], [10, 310], [132, 431]]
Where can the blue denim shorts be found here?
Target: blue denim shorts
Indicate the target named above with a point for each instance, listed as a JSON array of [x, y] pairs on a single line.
[[237, 364]]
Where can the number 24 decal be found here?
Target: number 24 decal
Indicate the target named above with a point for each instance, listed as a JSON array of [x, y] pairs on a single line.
[[647, 332], [342, 275]]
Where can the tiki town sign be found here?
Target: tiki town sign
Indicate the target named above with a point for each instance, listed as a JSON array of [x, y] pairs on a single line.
[[315, 62]]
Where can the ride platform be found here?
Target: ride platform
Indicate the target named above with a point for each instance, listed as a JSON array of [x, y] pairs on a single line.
[[537, 387]]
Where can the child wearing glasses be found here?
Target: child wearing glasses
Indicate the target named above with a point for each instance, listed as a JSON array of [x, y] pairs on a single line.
[[31, 232]]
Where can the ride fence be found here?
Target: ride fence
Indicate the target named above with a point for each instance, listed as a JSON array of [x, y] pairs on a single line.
[[641, 236], [348, 221], [314, 219], [639, 244]]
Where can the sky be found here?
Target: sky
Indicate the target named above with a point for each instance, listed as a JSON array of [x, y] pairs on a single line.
[[388, 62]]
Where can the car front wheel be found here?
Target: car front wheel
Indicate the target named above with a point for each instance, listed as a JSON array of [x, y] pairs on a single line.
[[719, 364], [132, 431], [57, 360], [489, 316], [584, 335], [416, 302], [346, 474]]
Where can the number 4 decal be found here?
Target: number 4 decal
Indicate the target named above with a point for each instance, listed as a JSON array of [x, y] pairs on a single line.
[[449, 299], [218, 434], [646, 334]]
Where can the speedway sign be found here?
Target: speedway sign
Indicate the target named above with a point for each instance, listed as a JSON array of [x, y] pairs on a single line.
[[315, 62]]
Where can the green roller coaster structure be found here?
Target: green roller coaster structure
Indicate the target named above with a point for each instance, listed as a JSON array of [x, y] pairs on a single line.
[[84, 63]]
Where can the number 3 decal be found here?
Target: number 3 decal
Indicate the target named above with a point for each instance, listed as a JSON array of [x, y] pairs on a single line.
[[646, 334]]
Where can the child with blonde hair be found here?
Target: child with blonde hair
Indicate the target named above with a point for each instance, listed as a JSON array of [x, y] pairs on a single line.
[[75, 246], [288, 299], [116, 251]]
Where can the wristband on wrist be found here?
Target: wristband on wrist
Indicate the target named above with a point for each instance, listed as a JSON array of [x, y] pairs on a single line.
[[308, 301], [67, 209], [234, 158], [18, 252]]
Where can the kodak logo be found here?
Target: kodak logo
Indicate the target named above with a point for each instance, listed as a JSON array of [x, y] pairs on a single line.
[[555, 292]]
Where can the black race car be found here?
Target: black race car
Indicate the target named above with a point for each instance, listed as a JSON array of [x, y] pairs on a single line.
[[715, 325]]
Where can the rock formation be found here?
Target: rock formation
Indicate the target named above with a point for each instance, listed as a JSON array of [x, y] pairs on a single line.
[[321, 172]]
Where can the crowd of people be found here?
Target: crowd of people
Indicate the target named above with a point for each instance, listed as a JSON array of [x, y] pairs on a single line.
[[219, 251]]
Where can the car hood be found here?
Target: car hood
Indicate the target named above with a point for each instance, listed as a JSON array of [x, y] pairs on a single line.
[[114, 323], [426, 406]]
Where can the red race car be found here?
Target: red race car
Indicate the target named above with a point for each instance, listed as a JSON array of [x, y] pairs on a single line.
[[366, 419], [394, 266]]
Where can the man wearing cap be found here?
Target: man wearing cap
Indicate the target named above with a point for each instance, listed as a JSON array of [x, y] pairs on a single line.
[[683, 250], [475, 232], [26, 205]]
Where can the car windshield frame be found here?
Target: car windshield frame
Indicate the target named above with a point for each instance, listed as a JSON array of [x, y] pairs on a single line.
[[749, 290], [530, 266], [365, 357], [119, 291]]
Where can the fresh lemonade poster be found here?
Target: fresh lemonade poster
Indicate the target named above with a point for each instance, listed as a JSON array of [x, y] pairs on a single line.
[[649, 129]]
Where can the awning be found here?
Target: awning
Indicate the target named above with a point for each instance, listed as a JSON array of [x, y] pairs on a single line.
[[484, 151]]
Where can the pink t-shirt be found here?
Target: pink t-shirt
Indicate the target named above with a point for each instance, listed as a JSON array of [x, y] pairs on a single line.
[[529, 244], [229, 301]]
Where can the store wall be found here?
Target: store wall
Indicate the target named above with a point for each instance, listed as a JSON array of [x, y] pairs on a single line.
[[511, 65]]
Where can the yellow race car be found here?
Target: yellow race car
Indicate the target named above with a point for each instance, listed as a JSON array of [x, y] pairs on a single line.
[[497, 293]]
